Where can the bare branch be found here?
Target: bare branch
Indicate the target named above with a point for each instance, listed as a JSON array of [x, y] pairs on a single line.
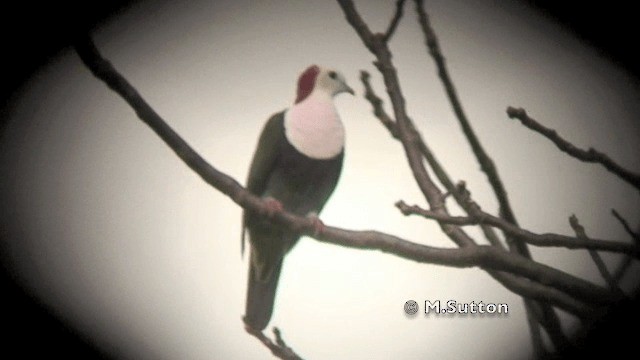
[[552, 323], [602, 267], [416, 210], [376, 103], [542, 293], [394, 21], [634, 235], [486, 257], [622, 268], [486, 163], [358, 24], [378, 47], [279, 349], [540, 285], [539, 351], [548, 239], [438, 170], [592, 155], [519, 274], [414, 147], [625, 264], [538, 315]]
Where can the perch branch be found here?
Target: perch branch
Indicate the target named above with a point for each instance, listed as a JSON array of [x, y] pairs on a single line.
[[486, 257]]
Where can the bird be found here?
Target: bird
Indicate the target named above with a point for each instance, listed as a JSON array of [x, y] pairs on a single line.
[[295, 168]]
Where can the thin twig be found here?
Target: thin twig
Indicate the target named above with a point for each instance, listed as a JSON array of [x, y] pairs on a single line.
[[634, 235], [602, 267], [414, 147], [378, 47], [480, 217], [394, 21], [539, 351], [537, 316], [438, 170], [486, 163], [591, 155], [538, 292], [625, 264], [278, 348], [622, 268], [410, 139], [376, 103]]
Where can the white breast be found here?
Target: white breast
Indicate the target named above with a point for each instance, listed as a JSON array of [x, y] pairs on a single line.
[[314, 128]]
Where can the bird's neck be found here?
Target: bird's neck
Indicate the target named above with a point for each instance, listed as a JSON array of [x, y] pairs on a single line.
[[313, 127]]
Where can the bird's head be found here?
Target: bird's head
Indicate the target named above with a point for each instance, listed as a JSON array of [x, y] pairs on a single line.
[[316, 78]]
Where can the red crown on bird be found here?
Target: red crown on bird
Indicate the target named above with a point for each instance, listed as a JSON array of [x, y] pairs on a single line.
[[306, 82]]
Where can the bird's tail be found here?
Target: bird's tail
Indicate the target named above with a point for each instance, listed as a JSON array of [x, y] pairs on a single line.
[[261, 294]]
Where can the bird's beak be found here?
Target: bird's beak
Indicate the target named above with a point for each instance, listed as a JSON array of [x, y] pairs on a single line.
[[347, 88], [350, 90]]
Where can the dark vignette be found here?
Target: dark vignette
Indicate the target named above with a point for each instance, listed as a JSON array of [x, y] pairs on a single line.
[[33, 33]]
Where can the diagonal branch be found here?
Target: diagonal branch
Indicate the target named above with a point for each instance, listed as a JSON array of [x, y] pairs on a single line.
[[480, 217], [602, 267], [406, 131], [415, 149], [535, 291], [592, 155], [533, 321], [621, 269], [438, 170], [486, 163], [394, 21], [634, 235], [551, 320], [278, 348], [487, 257], [376, 103], [625, 264]]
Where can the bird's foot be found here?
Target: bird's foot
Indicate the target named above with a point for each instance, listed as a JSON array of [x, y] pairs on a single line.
[[272, 206], [318, 225]]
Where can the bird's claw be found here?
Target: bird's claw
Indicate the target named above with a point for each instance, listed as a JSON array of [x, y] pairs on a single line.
[[272, 206]]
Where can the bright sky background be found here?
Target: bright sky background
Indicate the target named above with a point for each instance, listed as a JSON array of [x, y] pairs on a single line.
[[121, 239]]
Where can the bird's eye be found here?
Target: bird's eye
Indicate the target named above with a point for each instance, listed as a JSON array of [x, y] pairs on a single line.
[[332, 74]]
